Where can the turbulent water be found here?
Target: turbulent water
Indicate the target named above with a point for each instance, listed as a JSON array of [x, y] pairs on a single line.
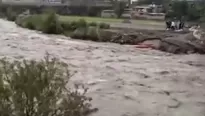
[[123, 80]]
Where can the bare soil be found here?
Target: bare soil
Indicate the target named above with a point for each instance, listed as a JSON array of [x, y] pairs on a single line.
[[123, 80]]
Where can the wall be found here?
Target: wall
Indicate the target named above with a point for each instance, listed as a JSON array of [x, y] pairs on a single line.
[[71, 7], [20, 1], [59, 2]]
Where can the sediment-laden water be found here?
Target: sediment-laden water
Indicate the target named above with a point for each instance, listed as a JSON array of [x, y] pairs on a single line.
[[123, 80]]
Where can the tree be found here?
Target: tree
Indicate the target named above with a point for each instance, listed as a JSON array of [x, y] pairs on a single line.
[[166, 5], [193, 13], [119, 8], [180, 8], [190, 11], [113, 2]]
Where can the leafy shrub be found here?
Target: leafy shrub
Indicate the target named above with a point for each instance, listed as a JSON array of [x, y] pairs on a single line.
[[82, 23], [2, 12], [10, 14], [79, 33], [119, 8], [31, 21], [68, 33], [37, 21], [66, 25], [52, 25], [94, 24], [104, 26], [73, 25], [2, 15], [19, 22], [92, 33], [29, 25], [106, 35], [11, 17], [38, 88]]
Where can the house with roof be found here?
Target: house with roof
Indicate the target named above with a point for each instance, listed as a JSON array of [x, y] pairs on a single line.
[[151, 11]]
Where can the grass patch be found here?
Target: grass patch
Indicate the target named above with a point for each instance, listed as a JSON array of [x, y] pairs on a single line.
[[49, 22], [86, 28], [108, 20]]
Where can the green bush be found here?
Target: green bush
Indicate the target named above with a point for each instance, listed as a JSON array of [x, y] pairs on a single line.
[[2, 12], [66, 25], [11, 17], [104, 26], [37, 21], [79, 33], [30, 25], [19, 22], [52, 25], [38, 88], [81, 23], [73, 25], [10, 14], [68, 33], [94, 24], [92, 33], [31, 21]]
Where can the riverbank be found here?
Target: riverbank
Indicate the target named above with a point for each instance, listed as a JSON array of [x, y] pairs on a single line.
[[101, 32]]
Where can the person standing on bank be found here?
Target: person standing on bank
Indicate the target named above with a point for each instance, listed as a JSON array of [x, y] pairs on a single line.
[[181, 23], [173, 26], [168, 24]]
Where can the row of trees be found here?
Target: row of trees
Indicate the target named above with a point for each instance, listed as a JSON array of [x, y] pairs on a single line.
[[194, 11], [189, 10]]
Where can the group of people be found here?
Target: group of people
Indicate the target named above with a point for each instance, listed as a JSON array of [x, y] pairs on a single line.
[[174, 25]]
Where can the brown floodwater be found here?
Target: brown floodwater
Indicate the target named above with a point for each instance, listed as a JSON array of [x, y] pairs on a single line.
[[123, 80]]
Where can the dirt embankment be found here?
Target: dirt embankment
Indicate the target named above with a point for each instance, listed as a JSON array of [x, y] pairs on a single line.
[[168, 41]]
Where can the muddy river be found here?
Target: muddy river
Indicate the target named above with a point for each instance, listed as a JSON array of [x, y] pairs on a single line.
[[123, 80]]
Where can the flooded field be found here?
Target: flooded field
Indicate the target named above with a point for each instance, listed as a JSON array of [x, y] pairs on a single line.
[[123, 80]]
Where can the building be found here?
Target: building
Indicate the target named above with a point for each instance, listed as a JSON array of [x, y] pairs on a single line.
[[63, 2], [112, 14], [72, 7], [148, 9], [59, 2], [153, 12], [13, 2]]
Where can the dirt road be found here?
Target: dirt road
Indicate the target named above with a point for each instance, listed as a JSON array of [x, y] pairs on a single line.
[[123, 80], [138, 26]]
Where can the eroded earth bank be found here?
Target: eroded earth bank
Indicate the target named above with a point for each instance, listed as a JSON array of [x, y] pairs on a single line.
[[123, 80]]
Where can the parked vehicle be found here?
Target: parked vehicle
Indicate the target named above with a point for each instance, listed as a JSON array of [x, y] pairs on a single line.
[[111, 14], [108, 14]]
